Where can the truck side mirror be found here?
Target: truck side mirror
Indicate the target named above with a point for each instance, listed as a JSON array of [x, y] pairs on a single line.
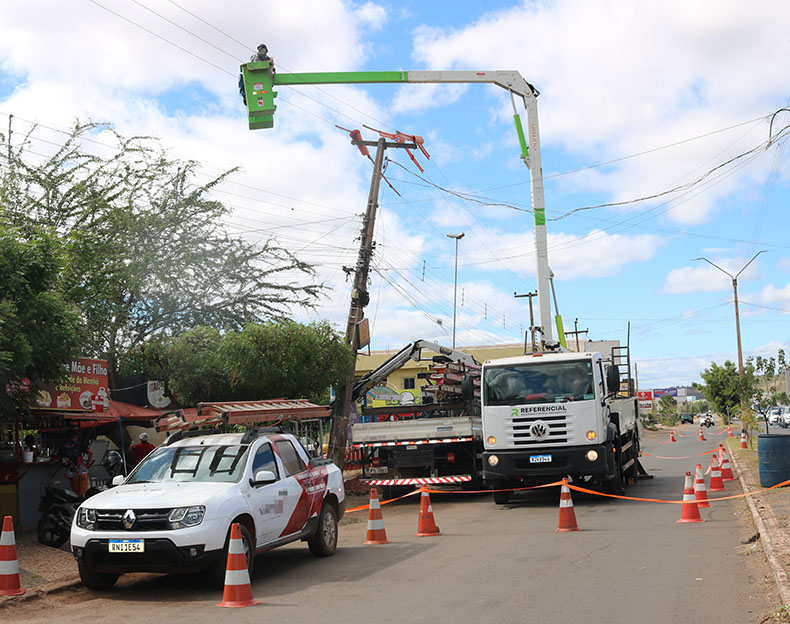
[[612, 379], [468, 388]]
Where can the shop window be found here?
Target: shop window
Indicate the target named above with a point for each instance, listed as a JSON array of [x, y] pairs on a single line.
[[408, 383]]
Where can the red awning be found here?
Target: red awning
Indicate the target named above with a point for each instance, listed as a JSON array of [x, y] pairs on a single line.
[[117, 410]]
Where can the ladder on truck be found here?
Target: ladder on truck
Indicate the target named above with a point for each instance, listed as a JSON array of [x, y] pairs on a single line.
[[621, 357], [245, 413]]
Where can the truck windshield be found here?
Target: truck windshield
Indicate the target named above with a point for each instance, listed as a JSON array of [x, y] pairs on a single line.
[[538, 383], [192, 463]]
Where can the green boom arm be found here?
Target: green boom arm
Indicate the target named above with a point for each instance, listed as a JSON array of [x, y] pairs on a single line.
[[260, 80]]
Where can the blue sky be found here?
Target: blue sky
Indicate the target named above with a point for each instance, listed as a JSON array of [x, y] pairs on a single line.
[[638, 100]]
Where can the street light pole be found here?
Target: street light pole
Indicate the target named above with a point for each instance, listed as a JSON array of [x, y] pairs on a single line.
[[457, 237], [735, 296]]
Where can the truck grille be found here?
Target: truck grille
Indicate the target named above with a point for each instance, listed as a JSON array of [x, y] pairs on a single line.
[[146, 520], [560, 430]]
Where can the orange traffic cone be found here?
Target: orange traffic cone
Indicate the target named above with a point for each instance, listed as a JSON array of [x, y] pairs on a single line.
[[700, 492], [716, 483], [376, 533], [672, 436], [743, 440], [690, 511], [567, 515], [726, 471], [9, 566], [238, 591], [426, 527], [701, 437], [729, 432]]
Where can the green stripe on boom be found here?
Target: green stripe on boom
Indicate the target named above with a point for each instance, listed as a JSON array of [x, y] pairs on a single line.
[[341, 77]]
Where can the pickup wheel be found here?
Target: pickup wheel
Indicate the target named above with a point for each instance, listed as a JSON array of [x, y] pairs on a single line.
[[95, 580], [324, 542], [218, 570]]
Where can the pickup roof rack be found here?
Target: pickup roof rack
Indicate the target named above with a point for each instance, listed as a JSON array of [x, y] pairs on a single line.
[[244, 413]]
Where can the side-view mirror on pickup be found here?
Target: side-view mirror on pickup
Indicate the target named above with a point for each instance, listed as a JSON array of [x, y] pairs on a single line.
[[262, 477], [117, 479]]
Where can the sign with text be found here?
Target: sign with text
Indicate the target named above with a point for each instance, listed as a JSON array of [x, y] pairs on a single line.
[[84, 390], [657, 392], [646, 405], [645, 395]]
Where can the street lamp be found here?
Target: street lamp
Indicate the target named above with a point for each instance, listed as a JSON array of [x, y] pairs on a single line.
[[457, 237], [735, 296]]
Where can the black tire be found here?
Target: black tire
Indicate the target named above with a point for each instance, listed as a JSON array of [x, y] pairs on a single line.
[[218, 569], [324, 542], [501, 497], [95, 580], [617, 484], [50, 532]]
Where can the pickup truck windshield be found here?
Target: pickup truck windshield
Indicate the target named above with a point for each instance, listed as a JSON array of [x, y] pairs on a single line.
[[538, 383], [192, 463]]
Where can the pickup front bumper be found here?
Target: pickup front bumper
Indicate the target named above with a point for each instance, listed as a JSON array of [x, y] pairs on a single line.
[[160, 555], [517, 465]]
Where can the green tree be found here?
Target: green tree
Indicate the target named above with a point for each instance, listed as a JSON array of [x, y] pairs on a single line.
[[667, 409], [766, 377], [724, 389], [262, 361], [38, 328], [146, 253]]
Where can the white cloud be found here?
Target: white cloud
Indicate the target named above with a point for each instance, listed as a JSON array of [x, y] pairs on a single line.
[[703, 277], [618, 80], [777, 296]]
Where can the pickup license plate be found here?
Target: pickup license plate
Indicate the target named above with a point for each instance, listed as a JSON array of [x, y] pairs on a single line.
[[539, 459], [127, 546]]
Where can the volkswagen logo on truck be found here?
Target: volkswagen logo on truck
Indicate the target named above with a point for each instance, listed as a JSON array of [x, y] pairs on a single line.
[[539, 430]]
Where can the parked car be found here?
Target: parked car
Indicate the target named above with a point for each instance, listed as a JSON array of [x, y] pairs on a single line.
[[686, 418], [775, 415], [784, 421], [174, 512]]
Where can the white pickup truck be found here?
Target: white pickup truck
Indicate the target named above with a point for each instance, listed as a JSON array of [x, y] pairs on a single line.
[[174, 511]]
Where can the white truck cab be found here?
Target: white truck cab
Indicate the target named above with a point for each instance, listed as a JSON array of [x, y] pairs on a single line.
[[173, 513]]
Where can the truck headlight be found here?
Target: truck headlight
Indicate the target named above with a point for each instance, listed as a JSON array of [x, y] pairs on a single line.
[[493, 460], [183, 517], [592, 455], [86, 519], [591, 435]]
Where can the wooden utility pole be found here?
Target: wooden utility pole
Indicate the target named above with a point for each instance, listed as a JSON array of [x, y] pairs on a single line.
[[531, 315], [359, 299], [576, 333]]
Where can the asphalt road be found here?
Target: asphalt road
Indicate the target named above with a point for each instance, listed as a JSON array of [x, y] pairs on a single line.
[[630, 562]]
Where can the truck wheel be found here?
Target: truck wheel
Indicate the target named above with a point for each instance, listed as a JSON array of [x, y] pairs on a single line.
[[218, 570], [501, 497], [617, 484], [96, 581], [324, 542]]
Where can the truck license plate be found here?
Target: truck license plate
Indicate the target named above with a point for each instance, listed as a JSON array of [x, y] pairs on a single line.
[[539, 459], [127, 546], [377, 470]]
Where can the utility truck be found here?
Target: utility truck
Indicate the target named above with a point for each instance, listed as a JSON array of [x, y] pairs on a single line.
[[437, 441], [551, 414]]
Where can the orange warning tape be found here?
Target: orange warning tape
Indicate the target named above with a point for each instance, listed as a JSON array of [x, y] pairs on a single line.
[[430, 491], [676, 502], [681, 456]]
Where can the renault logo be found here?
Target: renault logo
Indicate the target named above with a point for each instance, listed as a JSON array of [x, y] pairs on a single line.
[[129, 519], [539, 430]]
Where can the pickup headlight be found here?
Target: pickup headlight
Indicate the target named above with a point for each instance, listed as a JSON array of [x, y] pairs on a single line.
[[86, 519], [183, 517]]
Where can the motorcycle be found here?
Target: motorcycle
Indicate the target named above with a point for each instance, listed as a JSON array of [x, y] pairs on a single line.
[[58, 506], [708, 422]]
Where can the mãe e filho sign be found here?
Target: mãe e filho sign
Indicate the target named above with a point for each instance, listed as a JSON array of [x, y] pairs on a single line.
[[84, 390]]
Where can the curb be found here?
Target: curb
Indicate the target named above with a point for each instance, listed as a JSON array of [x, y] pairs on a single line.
[[40, 592], [780, 576]]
